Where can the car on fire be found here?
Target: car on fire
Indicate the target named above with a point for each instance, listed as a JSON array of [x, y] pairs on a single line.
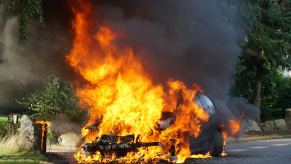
[[210, 140]]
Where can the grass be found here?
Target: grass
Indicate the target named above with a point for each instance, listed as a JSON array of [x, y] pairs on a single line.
[[10, 155], [5, 128], [3, 119]]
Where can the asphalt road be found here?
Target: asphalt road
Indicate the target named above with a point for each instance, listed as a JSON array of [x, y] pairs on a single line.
[[276, 151]]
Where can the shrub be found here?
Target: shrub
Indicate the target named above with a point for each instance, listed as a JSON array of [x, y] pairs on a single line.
[[56, 97]]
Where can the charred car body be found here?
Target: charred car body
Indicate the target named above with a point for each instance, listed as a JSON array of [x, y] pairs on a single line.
[[210, 139], [118, 145]]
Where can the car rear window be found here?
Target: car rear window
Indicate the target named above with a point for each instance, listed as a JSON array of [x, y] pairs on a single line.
[[205, 103]]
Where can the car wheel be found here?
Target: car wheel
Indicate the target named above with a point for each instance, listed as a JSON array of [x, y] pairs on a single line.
[[216, 146]]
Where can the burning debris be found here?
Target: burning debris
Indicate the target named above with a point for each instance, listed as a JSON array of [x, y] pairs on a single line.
[[117, 146], [131, 118]]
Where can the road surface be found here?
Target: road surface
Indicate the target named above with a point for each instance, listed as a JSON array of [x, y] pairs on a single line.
[[276, 151]]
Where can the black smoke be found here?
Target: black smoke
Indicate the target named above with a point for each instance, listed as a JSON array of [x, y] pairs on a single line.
[[195, 41], [24, 64]]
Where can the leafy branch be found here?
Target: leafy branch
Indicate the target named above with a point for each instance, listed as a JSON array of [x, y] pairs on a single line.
[[28, 11]]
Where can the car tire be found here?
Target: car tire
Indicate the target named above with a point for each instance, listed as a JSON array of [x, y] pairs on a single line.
[[217, 144]]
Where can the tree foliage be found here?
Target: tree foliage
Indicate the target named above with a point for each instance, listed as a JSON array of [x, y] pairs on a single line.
[[56, 97], [27, 10], [276, 95], [266, 53]]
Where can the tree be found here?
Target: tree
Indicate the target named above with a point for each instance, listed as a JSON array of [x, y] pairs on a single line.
[[268, 45], [56, 97], [284, 89], [28, 10]]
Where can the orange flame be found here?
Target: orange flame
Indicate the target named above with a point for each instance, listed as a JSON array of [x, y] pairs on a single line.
[[44, 126], [121, 96], [235, 126], [231, 129]]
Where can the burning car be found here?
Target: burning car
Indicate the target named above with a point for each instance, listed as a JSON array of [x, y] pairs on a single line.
[[210, 139], [132, 117]]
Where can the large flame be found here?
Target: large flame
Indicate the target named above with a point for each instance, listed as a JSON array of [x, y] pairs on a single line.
[[121, 96]]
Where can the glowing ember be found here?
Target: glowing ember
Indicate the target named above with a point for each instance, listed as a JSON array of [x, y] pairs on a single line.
[[122, 98], [201, 156]]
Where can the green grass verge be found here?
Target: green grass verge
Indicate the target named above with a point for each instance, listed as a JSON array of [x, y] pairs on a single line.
[[3, 119], [9, 155], [4, 126]]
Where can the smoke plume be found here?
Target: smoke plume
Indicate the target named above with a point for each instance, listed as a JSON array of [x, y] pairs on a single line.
[[24, 64], [193, 41]]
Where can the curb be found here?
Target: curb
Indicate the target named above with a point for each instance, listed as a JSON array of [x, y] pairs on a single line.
[[255, 138]]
